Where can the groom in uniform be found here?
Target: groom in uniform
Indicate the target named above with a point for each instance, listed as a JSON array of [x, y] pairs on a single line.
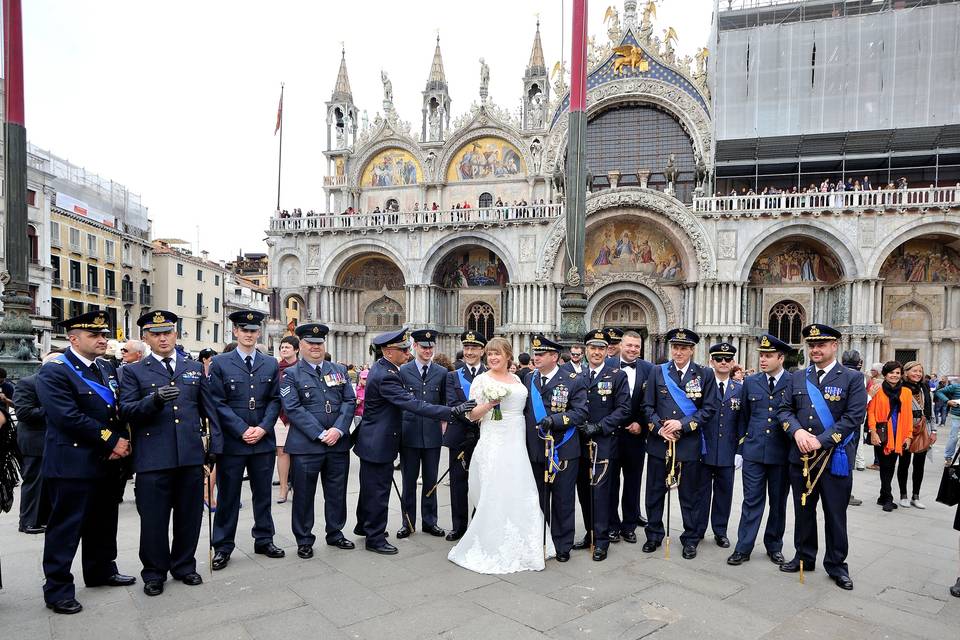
[[556, 406]]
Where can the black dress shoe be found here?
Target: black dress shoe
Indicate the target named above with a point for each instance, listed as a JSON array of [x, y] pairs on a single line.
[[153, 588], [776, 557], [599, 555], [629, 536], [736, 558], [453, 536], [563, 556], [844, 582], [192, 579], [220, 560], [579, 545], [689, 552], [120, 580], [614, 536], [342, 543], [384, 548], [67, 606], [357, 531], [955, 589], [650, 546], [434, 530], [305, 551], [270, 550], [404, 532], [722, 541], [32, 530], [794, 567]]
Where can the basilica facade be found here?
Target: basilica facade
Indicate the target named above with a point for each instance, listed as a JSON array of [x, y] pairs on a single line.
[[459, 223]]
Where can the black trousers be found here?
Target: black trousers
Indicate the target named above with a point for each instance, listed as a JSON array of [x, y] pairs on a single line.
[[373, 504], [888, 463], [714, 499], [413, 462], [159, 493], [595, 501], [460, 487], [34, 501], [563, 502], [230, 468], [758, 479], [629, 463], [903, 470], [657, 493], [81, 509], [834, 492], [331, 469]]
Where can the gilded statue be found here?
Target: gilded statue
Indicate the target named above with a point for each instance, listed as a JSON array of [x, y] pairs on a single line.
[[629, 55]]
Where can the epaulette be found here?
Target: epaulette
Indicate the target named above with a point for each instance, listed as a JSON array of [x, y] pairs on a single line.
[[572, 376], [55, 361]]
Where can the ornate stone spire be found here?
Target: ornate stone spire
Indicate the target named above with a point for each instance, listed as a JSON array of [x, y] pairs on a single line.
[[341, 92], [536, 88], [436, 101], [536, 66], [437, 79]]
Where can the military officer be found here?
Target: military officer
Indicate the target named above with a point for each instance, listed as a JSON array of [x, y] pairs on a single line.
[[608, 408], [764, 448], [556, 406], [461, 436], [319, 400], [421, 437], [681, 397], [245, 388], [377, 438], [165, 399], [78, 392], [614, 336], [631, 443], [822, 412], [718, 455]]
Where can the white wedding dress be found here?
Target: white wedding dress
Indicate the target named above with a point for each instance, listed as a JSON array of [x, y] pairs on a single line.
[[506, 532]]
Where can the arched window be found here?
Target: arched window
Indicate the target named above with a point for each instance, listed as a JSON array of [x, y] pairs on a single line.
[[34, 244], [481, 320], [486, 200], [786, 320], [392, 205]]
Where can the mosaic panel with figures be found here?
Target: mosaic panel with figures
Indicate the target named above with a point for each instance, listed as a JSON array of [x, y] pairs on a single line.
[[793, 262], [474, 267], [625, 246], [371, 272], [922, 260]]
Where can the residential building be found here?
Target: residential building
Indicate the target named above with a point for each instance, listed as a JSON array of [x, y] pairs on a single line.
[[243, 294]]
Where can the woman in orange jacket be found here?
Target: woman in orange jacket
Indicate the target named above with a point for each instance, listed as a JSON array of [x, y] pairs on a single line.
[[890, 420]]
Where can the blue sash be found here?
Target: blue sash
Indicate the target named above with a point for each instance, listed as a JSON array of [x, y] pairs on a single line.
[[106, 393], [684, 403], [840, 464], [464, 383], [539, 413]]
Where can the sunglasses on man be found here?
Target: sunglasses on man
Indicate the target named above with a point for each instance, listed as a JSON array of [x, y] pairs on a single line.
[[723, 358]]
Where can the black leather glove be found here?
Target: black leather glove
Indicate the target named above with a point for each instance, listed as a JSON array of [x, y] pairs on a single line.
[[463, 408], [546, 424], [590, 429], [165, 394], [210, 458]]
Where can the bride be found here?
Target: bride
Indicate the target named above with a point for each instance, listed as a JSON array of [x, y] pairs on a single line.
[[506, 533]]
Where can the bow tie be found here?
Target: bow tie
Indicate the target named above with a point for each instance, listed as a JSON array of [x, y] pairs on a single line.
[[628, 364]]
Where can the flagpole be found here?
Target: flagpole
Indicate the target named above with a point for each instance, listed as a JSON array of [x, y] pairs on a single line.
[[280, 154]]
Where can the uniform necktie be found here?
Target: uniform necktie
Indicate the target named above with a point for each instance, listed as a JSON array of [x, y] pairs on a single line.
[[820, 373], [249, 361], [721, 390], [543, 381], [166, 363], [772, 383], [95, 370], [423, 374], [473, 372], [593, 374], [320, 371]]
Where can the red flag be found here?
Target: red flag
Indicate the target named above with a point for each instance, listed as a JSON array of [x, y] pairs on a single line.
[[279, 112]]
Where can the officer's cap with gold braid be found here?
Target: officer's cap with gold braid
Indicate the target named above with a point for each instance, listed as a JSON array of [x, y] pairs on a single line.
[[614, 335], [771, 344], [92, 321], [596, 337], [424, 337], [541, 344], [247, 319], [313, 332], [399, 339], [819, 333], [723, 349], [472, 338], [682, 336], [158, 321]]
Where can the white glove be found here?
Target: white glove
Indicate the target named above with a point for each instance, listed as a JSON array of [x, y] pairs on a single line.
[[737, 461]]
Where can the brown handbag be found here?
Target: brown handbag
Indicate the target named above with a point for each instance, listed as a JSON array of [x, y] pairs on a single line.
[[920, 440]]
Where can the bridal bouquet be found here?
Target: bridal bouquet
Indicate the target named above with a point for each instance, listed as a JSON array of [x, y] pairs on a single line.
[[495, 393]]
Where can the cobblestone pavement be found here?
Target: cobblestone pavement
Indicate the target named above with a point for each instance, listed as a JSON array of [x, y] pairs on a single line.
[[901, 563]]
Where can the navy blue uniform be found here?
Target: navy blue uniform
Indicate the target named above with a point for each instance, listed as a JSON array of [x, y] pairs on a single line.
[[565, 399], [168, 455], [847, 403], [82, 431], [454, 440], [377, 443], [764, 448], [608, 405], [631, 453], [31, 432], [700, 386], [244, 398], [421, 439], [316, 402], [717, 463]]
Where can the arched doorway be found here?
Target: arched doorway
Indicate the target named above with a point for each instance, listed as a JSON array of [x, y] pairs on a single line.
[[293, 313], [471, 281], [370, 291], [481, 319]]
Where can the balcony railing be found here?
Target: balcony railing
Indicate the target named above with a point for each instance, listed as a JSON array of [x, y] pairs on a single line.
[[57, 282], [831, 202], [127, 297], [202, 311], [334, 181], [503, 216], [110, 293], [76, 285], [146, 299], [92, 288]]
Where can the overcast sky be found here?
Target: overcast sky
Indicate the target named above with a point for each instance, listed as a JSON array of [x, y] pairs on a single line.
[[177, 100]]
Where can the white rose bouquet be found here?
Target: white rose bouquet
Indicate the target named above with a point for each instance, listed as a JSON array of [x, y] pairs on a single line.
[[495, 393]]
